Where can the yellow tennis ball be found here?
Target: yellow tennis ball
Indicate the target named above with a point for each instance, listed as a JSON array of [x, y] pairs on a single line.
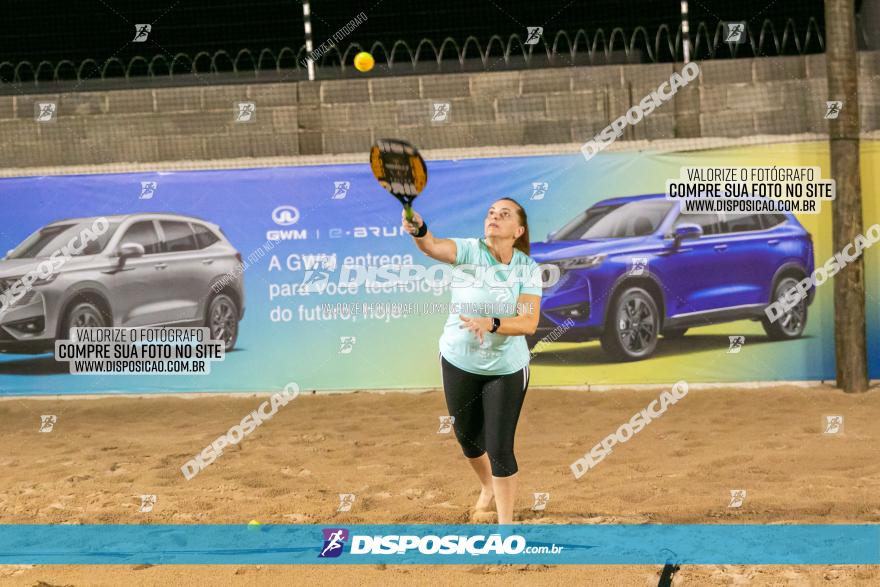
[[363, 61], [253, 525]]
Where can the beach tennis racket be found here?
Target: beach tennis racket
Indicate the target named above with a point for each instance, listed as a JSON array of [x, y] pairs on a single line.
[[400, 170]]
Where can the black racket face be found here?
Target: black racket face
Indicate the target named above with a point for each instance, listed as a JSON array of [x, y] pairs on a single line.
[[399, 168]]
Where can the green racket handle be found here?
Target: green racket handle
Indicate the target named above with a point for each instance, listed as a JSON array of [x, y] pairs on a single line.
[[409, 212]]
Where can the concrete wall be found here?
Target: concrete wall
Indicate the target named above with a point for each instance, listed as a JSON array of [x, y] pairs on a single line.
[[733, 98]]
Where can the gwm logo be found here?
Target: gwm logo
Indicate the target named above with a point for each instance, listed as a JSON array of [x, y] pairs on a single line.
[[285, 215]]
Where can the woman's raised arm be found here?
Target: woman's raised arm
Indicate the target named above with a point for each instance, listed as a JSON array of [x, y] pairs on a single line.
[[441, 249]]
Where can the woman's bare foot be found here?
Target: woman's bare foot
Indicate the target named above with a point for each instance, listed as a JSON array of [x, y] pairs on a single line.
[[483, 517], [485, 502]]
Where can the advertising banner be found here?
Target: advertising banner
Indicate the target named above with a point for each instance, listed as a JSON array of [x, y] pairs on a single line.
[[443, 544], [285, 267]]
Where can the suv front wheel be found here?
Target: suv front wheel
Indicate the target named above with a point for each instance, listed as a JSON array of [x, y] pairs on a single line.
[[630, 332], [84, 315], [222, 319], [792, 323]]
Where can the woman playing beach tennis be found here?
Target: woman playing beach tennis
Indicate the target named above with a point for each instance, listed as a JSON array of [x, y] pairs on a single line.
[[484, 357]]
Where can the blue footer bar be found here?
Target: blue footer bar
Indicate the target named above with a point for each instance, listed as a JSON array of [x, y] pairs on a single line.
[[440, 544]]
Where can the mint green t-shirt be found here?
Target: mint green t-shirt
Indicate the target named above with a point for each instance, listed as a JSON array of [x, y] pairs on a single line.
[[496, 294]]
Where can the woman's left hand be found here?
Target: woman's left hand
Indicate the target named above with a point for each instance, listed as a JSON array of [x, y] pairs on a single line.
[[476, 324]]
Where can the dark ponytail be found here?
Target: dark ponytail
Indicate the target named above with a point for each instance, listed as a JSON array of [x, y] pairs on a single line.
[[522, 243]]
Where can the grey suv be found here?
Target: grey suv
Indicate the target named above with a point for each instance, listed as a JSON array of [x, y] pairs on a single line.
[[142, 270]]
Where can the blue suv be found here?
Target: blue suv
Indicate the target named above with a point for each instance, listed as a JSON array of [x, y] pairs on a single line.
[[633, 268]]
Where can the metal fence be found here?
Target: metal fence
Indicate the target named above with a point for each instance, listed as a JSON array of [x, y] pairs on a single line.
[[564, 49]]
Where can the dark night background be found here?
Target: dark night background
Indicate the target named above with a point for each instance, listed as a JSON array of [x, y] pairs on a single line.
[[100, 29]]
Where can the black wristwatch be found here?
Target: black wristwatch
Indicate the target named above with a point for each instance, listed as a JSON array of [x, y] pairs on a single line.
[[496, 324]]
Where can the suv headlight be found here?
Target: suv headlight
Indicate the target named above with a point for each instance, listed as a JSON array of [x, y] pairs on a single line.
[[16, 290], [581, 262], [45, 280], [24, 285]]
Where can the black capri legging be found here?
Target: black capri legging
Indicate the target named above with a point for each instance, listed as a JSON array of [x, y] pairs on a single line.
[[486, 409]]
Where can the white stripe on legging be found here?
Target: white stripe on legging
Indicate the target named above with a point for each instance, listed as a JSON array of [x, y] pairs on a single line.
[[442, 381]]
